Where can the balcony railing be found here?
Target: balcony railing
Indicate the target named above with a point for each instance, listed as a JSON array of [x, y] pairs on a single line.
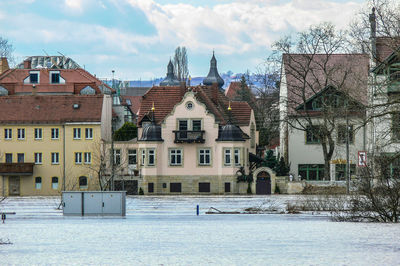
[[16, 168], [189, 136]]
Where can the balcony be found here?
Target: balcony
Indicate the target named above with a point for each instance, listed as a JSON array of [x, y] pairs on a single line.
[[16, 168], [189, 136]]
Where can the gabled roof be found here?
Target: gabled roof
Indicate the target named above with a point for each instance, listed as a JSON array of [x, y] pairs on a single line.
[[165, 98], [76, 79], [387, 48], [306, 75], [50, 109], [135, 102]]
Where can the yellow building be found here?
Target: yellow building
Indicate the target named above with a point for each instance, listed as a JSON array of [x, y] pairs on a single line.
[[51, 143]]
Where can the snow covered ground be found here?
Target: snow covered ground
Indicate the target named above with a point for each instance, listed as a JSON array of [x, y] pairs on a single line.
[[166, 231]]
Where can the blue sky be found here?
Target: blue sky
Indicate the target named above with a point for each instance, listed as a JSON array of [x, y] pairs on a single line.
[[136, 38]]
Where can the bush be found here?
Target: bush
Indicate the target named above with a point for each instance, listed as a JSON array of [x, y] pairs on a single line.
[[141, 191], [277, 189], [127, 132], [281, 168]]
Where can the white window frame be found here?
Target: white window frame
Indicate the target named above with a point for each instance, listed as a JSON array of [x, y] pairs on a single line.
[[132, 153], [77, 132], [53, 184], [78, 157], [177, 153], [88, 157], [38, 185], [38, 133], [236, 156], [51, 76], [55, 158], [8, 133], [38, 77], [151, 153], [21, 133], [227, 153], [89, 133], [204, 153], [38, 157], [143, 157], [55, 133]]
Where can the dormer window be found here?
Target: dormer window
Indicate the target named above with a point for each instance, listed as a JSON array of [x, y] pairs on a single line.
[[34, 77], [55, 78]]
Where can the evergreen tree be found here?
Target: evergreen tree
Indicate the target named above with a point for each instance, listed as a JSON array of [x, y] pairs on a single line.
[[281, 168], [127, 132]]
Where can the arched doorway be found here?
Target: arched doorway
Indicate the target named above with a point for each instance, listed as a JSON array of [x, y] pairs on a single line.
[[263, 183]]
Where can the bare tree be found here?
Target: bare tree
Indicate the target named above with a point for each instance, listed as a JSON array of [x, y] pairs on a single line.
[[6, 49], [326, 85], [180, 62]]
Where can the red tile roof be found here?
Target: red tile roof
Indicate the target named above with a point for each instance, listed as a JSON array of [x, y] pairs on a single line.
[[135, 102], [49, 109], [75, 80], [310, 74], [385, 46], [165, 98]]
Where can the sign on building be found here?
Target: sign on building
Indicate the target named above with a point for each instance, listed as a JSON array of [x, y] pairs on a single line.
[[362, 158]]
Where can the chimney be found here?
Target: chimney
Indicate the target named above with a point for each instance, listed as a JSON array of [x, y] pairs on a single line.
[[214, 92], [372, 21], [3, 65], [27, 64], [182, 88]]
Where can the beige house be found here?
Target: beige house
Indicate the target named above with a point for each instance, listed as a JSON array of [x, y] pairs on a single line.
[[50, 143], [190, 140]]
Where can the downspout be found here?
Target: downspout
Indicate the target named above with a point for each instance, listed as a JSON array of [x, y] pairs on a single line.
[[63, 157]]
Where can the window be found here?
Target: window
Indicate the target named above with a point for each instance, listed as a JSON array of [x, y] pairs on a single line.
[[312, 172], [151, 157], [38, 182], [78, 157], [196, 125], [89, 133], [204, 157], [21, 133], [312, 133], [83, 182], [77, 133], [88, 157], [117, 157], [183, 126], [55, 158], [54, 133], [175, 187], [340, 171], [38, 157], [341, 134], [189, 105], [38, 133], [21, 157], [236, 156], [175, 157], [34, 77], [132, 157], [55, 77], [204, 187], [227, 157], [150, 187], [7, 133], [9, 158], [227, 187], [54, 182], [143, 157]]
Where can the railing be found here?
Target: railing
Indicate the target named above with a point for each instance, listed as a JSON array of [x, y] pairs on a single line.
[[189, 136], [16, 168]]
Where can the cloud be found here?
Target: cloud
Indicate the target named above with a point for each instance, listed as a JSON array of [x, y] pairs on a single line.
[[239, 26], [75, 5]]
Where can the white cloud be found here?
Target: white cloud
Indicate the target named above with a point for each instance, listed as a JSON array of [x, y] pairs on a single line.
[[76, 5], [242, 25]]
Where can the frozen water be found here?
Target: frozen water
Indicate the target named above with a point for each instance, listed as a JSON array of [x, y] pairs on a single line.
[[166, 230]]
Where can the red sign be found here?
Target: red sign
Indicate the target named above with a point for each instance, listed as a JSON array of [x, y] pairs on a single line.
[[362, 158]]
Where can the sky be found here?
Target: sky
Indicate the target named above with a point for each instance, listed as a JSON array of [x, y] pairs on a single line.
[[136, 38]]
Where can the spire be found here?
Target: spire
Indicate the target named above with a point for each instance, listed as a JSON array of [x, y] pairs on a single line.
[[170, 80], [213, 76]]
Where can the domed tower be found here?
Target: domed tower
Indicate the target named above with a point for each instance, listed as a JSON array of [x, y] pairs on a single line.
[[170, 80], [213, 76]]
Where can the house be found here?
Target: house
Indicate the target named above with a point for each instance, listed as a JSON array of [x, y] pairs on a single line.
[[322, 97], [191, 140], [50, 143]]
